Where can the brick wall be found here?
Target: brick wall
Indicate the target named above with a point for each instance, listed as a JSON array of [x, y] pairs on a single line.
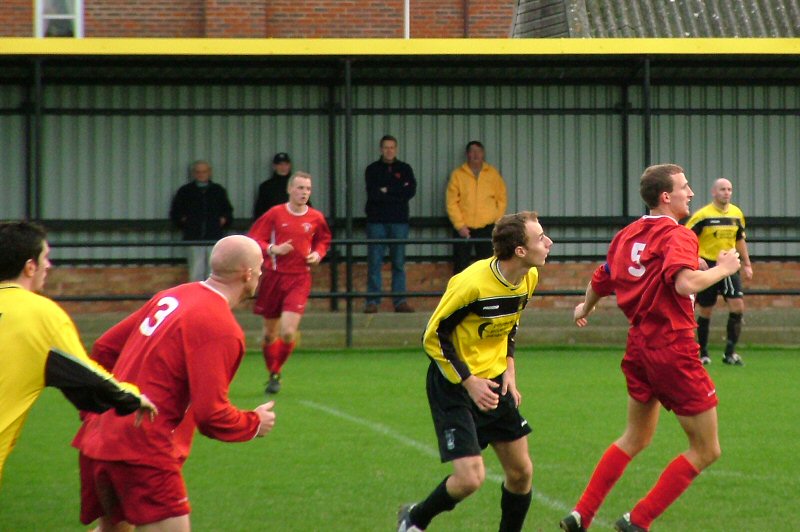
[[376, 18], [235, 18], [276, 18], [491, 19], [16, 18], [420, 277], [144, 18]]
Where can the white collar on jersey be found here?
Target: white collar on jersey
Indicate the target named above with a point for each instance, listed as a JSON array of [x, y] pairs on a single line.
[[660, 216], [220, 294], [290, 211]]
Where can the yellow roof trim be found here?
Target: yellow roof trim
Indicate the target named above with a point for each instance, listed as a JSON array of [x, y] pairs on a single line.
[[393, 47]]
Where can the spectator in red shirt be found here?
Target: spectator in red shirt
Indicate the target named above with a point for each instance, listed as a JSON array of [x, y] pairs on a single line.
[[652, 266], [182, 348], [293, 237]]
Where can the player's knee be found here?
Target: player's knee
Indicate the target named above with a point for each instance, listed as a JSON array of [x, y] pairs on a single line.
[[288, 335], [469, 481], [712, 453], [521, 476], [707, 454], [705, 312], [472, 483], [634, 442]]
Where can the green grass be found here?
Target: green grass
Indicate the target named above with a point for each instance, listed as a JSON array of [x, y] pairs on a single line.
[[354, 439]]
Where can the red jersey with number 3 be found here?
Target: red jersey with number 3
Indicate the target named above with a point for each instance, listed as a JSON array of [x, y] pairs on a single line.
[[182, 349], [643, 261], [308, 232]]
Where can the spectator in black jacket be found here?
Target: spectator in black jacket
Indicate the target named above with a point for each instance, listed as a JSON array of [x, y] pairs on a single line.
[[274, 190], [201, 209], [390, 185]]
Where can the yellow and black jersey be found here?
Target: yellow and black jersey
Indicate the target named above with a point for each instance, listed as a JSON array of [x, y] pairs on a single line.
[[39, 346], [472, 329], [717, 230]]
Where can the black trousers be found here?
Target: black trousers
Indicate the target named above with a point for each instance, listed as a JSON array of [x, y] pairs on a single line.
[[470, 250]]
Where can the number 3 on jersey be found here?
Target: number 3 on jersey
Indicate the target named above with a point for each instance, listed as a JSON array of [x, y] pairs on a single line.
[[166, 306], [636, 253]]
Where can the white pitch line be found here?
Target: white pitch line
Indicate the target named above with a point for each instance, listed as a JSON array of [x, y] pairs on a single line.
[[430, 451]]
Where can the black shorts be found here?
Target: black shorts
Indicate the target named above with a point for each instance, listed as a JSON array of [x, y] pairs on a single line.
[[729, 288], [461, 428]]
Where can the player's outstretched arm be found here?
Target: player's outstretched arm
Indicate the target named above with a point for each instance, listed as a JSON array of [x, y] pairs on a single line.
[[582, 310], [267, 418]]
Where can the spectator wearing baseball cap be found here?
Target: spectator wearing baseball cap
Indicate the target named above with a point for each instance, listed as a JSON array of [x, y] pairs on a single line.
[[273, 191]]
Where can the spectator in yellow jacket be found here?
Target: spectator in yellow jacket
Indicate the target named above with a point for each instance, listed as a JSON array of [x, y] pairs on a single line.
[[476, 198]]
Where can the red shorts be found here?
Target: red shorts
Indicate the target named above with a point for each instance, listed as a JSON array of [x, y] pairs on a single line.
[[282, 292], [673, 374], [148, 494]]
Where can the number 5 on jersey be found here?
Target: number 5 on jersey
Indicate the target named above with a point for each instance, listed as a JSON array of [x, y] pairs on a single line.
[[636, 254]]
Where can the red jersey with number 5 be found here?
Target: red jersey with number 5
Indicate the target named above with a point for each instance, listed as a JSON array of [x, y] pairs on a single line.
[[643, 261], [182, 349]]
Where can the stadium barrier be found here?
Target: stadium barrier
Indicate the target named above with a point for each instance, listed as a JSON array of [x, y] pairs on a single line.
[[347, 259]]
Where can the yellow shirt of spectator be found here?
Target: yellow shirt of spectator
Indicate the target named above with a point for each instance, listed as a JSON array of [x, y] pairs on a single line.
[[475, 202]]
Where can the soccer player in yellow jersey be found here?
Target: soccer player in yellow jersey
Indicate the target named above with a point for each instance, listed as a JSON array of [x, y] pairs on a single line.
[[39, 345], [720, 226], [471, 383]]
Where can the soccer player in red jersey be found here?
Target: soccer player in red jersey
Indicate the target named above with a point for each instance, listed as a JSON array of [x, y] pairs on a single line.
[[293, 237], [182, 348], [652, 266]]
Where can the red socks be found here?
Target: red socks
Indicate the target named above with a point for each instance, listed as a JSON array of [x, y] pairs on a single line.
[[271, 355], [285, 351], [608, 470], [678, 475], [276, 354]]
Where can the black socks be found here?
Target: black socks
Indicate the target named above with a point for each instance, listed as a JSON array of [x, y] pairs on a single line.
[[734, 329], [514, 508], [437, 502], [702, 334]]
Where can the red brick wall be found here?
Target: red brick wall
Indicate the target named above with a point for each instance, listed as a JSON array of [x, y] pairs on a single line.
[[491, 19], [384, 18], [144, 18], [276, 18], [420, 277], [16, 18], [432, 19], [235, 18]]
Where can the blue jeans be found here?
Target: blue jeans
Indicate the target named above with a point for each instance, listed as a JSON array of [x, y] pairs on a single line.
[[397, 255]]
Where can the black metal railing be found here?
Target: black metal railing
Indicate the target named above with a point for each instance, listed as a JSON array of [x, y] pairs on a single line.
[[334, 294]]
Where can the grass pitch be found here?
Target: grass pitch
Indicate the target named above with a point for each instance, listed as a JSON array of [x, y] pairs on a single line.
[[354, 440]]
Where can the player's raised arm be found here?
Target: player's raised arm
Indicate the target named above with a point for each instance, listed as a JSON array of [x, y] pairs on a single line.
[[689, 282]]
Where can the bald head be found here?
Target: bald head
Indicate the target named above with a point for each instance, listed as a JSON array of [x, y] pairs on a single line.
[[234, 254], [721, 192], [236, 268]]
